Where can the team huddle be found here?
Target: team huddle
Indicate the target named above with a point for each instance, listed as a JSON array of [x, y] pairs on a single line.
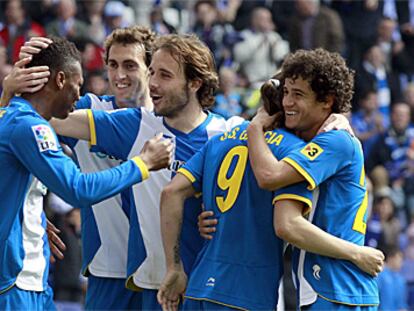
[[150, 158]]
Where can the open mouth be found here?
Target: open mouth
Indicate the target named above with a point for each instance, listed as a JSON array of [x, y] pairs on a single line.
[[156, 99]]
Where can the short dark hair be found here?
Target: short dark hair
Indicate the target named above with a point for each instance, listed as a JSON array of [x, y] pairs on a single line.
[[60, 55], [327, 74], [132, 35]]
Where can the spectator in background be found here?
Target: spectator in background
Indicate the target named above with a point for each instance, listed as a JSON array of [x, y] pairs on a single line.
[[262, 48], [219, 37], [373, 75], [393, 157], [228, 100], [115, 13], [92, 14], [390, 46], [158, 23], [18, 28], [96, 83], [66, 24], [315, 26], [391, 283], [360, 20], [368, 122]]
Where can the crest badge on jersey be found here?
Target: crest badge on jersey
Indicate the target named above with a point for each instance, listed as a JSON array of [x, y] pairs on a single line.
[[311, 151], [45, 138]]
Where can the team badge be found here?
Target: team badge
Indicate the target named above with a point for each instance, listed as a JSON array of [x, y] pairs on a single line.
[[311, 151], [45, 138]]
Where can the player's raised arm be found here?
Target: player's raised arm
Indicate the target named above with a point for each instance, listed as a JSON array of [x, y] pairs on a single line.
[[76, 125]]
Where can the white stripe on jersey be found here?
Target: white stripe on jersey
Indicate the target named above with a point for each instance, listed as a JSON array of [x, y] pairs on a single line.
[[113, 225], [152, 271], [34, 263], [307, 295]]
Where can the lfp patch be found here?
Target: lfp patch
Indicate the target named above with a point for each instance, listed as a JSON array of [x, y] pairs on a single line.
[[311, 151], [45, 138]]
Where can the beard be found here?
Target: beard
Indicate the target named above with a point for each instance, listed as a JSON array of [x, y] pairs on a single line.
[[174, 104]]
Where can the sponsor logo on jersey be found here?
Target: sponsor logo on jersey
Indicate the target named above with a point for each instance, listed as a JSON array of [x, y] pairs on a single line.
[[316, 272], [45, 138], [311, 151], [211, 282]]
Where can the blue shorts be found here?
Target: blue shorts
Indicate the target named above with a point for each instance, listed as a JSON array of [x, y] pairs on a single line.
[[19, 299], [149, 300], [323, 304], [110, 294], [193, 304]]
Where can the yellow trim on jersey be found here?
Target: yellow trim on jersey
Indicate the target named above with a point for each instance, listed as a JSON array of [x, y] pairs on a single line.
[[296, 166], [362, 178], [142, 167], [348, 304], [8, 288], [187, 174], [216, 302], [289, 196], [129, 284], [92, 130]]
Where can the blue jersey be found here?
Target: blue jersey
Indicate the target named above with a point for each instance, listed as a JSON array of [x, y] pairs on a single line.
[[122, 134], [105, 226], [334, 161], [242, 265], [28, 149]]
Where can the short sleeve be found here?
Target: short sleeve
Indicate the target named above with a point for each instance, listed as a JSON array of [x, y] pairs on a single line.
[[114, 132], [324, 156]]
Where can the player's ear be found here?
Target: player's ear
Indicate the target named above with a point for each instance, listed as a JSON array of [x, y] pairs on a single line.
[[195, 84], [60, 79], [329, 101]]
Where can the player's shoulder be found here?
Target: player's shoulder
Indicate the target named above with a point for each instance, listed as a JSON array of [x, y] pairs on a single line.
[[219, 123], [338, 141], [93, 101]]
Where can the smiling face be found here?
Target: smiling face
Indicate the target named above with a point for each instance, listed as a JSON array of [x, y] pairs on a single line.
[[127, 73], [169, 88], [69, 94], [303, 112]]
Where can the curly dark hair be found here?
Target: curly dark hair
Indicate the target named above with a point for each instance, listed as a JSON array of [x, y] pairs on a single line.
[[326, 72], [60, 55], [131, 35], [197, 61]]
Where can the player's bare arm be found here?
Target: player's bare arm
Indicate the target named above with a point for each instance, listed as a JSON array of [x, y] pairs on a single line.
[[172, 205], [291, 226], [270, 173]]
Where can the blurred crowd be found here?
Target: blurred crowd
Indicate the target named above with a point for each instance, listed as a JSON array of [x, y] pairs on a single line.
[[249, 39]]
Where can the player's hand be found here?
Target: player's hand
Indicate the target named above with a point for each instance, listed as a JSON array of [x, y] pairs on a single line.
[[206, 224], [26, 80], [55, 243], [34, 46], [157, 153], [172, 289], [336, 121], [370, 260], [264, 120]]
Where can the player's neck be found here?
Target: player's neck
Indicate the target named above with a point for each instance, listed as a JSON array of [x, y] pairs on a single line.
[[38, 102], [187, 119]]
